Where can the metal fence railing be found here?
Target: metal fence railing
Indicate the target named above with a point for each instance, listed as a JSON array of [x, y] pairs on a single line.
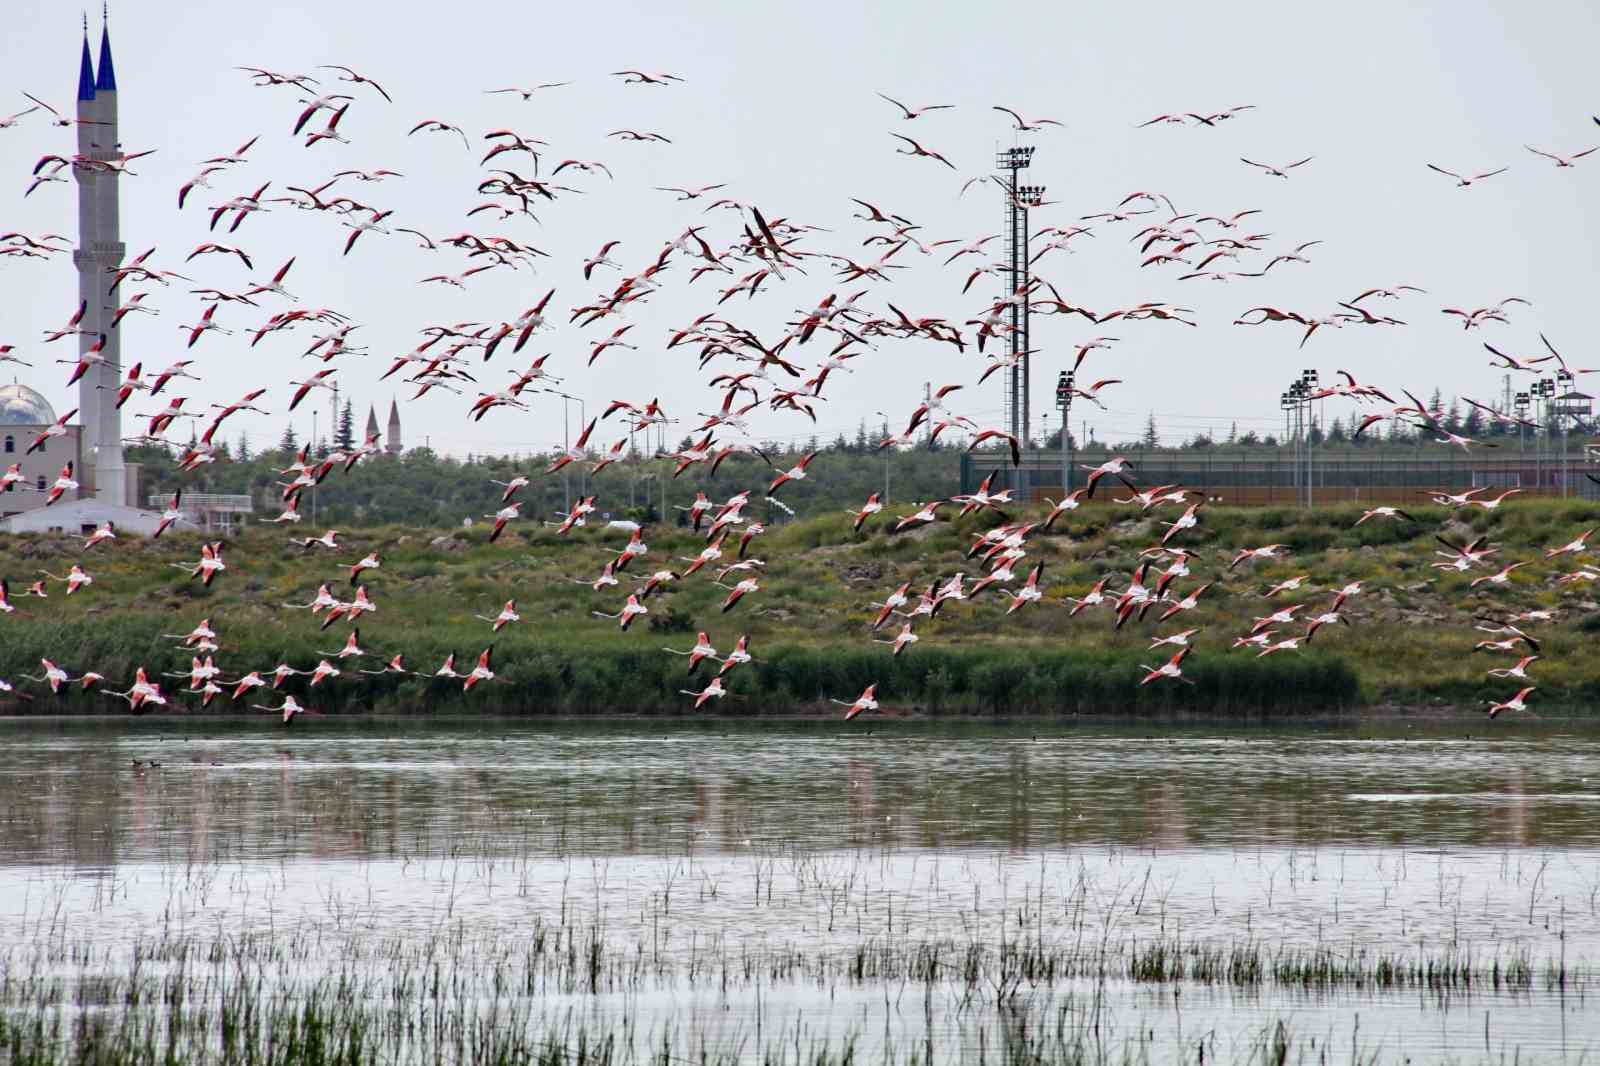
[[1262, 476]]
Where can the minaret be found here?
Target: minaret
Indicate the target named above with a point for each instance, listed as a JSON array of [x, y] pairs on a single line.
[[99, 254], [110, 476], [392, 445], [372, 423], [90, 296]]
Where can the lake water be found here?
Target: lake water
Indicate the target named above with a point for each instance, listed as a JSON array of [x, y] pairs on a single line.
[[1154, 892]]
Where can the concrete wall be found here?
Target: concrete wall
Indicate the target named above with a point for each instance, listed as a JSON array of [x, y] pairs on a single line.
[[45, 463]]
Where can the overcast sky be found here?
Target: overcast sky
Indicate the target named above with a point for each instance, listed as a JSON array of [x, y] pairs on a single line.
[[778, 102]]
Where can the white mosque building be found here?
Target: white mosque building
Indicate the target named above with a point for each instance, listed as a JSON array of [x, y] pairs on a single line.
[[108, 486]]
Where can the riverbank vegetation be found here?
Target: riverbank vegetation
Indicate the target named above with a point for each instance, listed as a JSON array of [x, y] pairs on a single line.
[[1409, 640]]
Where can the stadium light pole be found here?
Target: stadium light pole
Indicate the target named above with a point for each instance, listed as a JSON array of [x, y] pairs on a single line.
[[1286, 400], [1543, 389], [1566, 380], [1308, 382], [1520, 405], [1066, 383]]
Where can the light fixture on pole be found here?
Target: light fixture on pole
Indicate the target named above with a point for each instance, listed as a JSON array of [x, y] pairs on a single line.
[[1066, 385], [1520, 404], [1543, 389], [1564, 380], [1309, 379]]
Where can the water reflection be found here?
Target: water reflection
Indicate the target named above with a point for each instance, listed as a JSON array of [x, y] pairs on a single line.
[[777, 842], [74, 798]]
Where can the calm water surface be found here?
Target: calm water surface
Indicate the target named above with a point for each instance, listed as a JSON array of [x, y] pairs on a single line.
[[734, 845]]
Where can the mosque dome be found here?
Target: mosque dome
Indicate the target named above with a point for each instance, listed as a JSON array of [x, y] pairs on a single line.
[[21, 406]]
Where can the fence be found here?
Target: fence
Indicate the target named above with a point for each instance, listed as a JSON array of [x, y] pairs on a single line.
[[218, 512], [1260, 476]]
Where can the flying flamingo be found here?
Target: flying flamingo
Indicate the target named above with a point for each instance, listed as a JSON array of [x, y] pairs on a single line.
[[864, 702], [290, 710], [1519, 671], [630, 610], [701, 651], [713, 690], [507, 615], [481, 671], [1515, 703], [902, 640]]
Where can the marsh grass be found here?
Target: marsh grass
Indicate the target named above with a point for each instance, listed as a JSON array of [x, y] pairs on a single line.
[[452, 998]]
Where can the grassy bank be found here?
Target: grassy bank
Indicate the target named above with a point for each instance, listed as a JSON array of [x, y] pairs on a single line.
[[1409, 641]]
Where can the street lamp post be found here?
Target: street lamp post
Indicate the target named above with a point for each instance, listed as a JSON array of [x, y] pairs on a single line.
[[583, 416], [887, 449]]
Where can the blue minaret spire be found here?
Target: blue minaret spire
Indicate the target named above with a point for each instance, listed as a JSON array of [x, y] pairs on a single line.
[[85, 68], [107, 79]]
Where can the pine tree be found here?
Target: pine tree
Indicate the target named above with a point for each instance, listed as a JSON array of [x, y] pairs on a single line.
[[1452, 418], [1152, 436], [344, 438], [1472, 424], [244, 447], [290, 443], [1233, 433]]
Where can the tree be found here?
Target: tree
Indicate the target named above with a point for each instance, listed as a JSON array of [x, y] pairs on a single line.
[[1436, 404], [1152, 436], [1336, 432], [244, 448], [1452, 418], [1249, 439], [1472, 424], [1233, 433], [290, 443], [344, 438]]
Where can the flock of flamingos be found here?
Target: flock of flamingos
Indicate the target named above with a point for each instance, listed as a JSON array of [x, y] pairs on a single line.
[[742, 250]]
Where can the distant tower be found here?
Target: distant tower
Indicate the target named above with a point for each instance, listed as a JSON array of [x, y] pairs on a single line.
[[392, 445], [99, 254], [372, 423]]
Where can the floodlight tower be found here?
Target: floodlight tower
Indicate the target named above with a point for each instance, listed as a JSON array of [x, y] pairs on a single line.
[[1019, 198]]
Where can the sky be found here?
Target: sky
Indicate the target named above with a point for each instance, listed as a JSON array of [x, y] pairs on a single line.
[[779, 103]]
